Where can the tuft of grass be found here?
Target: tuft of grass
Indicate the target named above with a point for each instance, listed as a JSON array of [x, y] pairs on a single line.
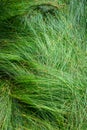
[[43, 69]]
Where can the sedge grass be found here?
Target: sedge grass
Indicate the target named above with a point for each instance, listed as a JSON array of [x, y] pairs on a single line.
[[43, 71]]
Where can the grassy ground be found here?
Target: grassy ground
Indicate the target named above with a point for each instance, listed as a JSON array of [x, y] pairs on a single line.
[[43, 65]]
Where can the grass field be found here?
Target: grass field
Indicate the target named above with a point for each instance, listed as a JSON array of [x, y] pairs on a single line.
[[43, 65]]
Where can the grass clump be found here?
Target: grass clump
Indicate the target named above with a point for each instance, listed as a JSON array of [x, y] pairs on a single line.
[[43, 71]]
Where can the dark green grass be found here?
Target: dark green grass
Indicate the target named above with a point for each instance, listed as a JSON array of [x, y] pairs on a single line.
[[43, 71]]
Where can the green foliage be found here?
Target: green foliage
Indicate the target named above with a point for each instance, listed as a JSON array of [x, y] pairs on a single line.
[[43, 65]]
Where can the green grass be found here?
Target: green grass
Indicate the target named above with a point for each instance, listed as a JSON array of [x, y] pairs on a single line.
[[43, 68]]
